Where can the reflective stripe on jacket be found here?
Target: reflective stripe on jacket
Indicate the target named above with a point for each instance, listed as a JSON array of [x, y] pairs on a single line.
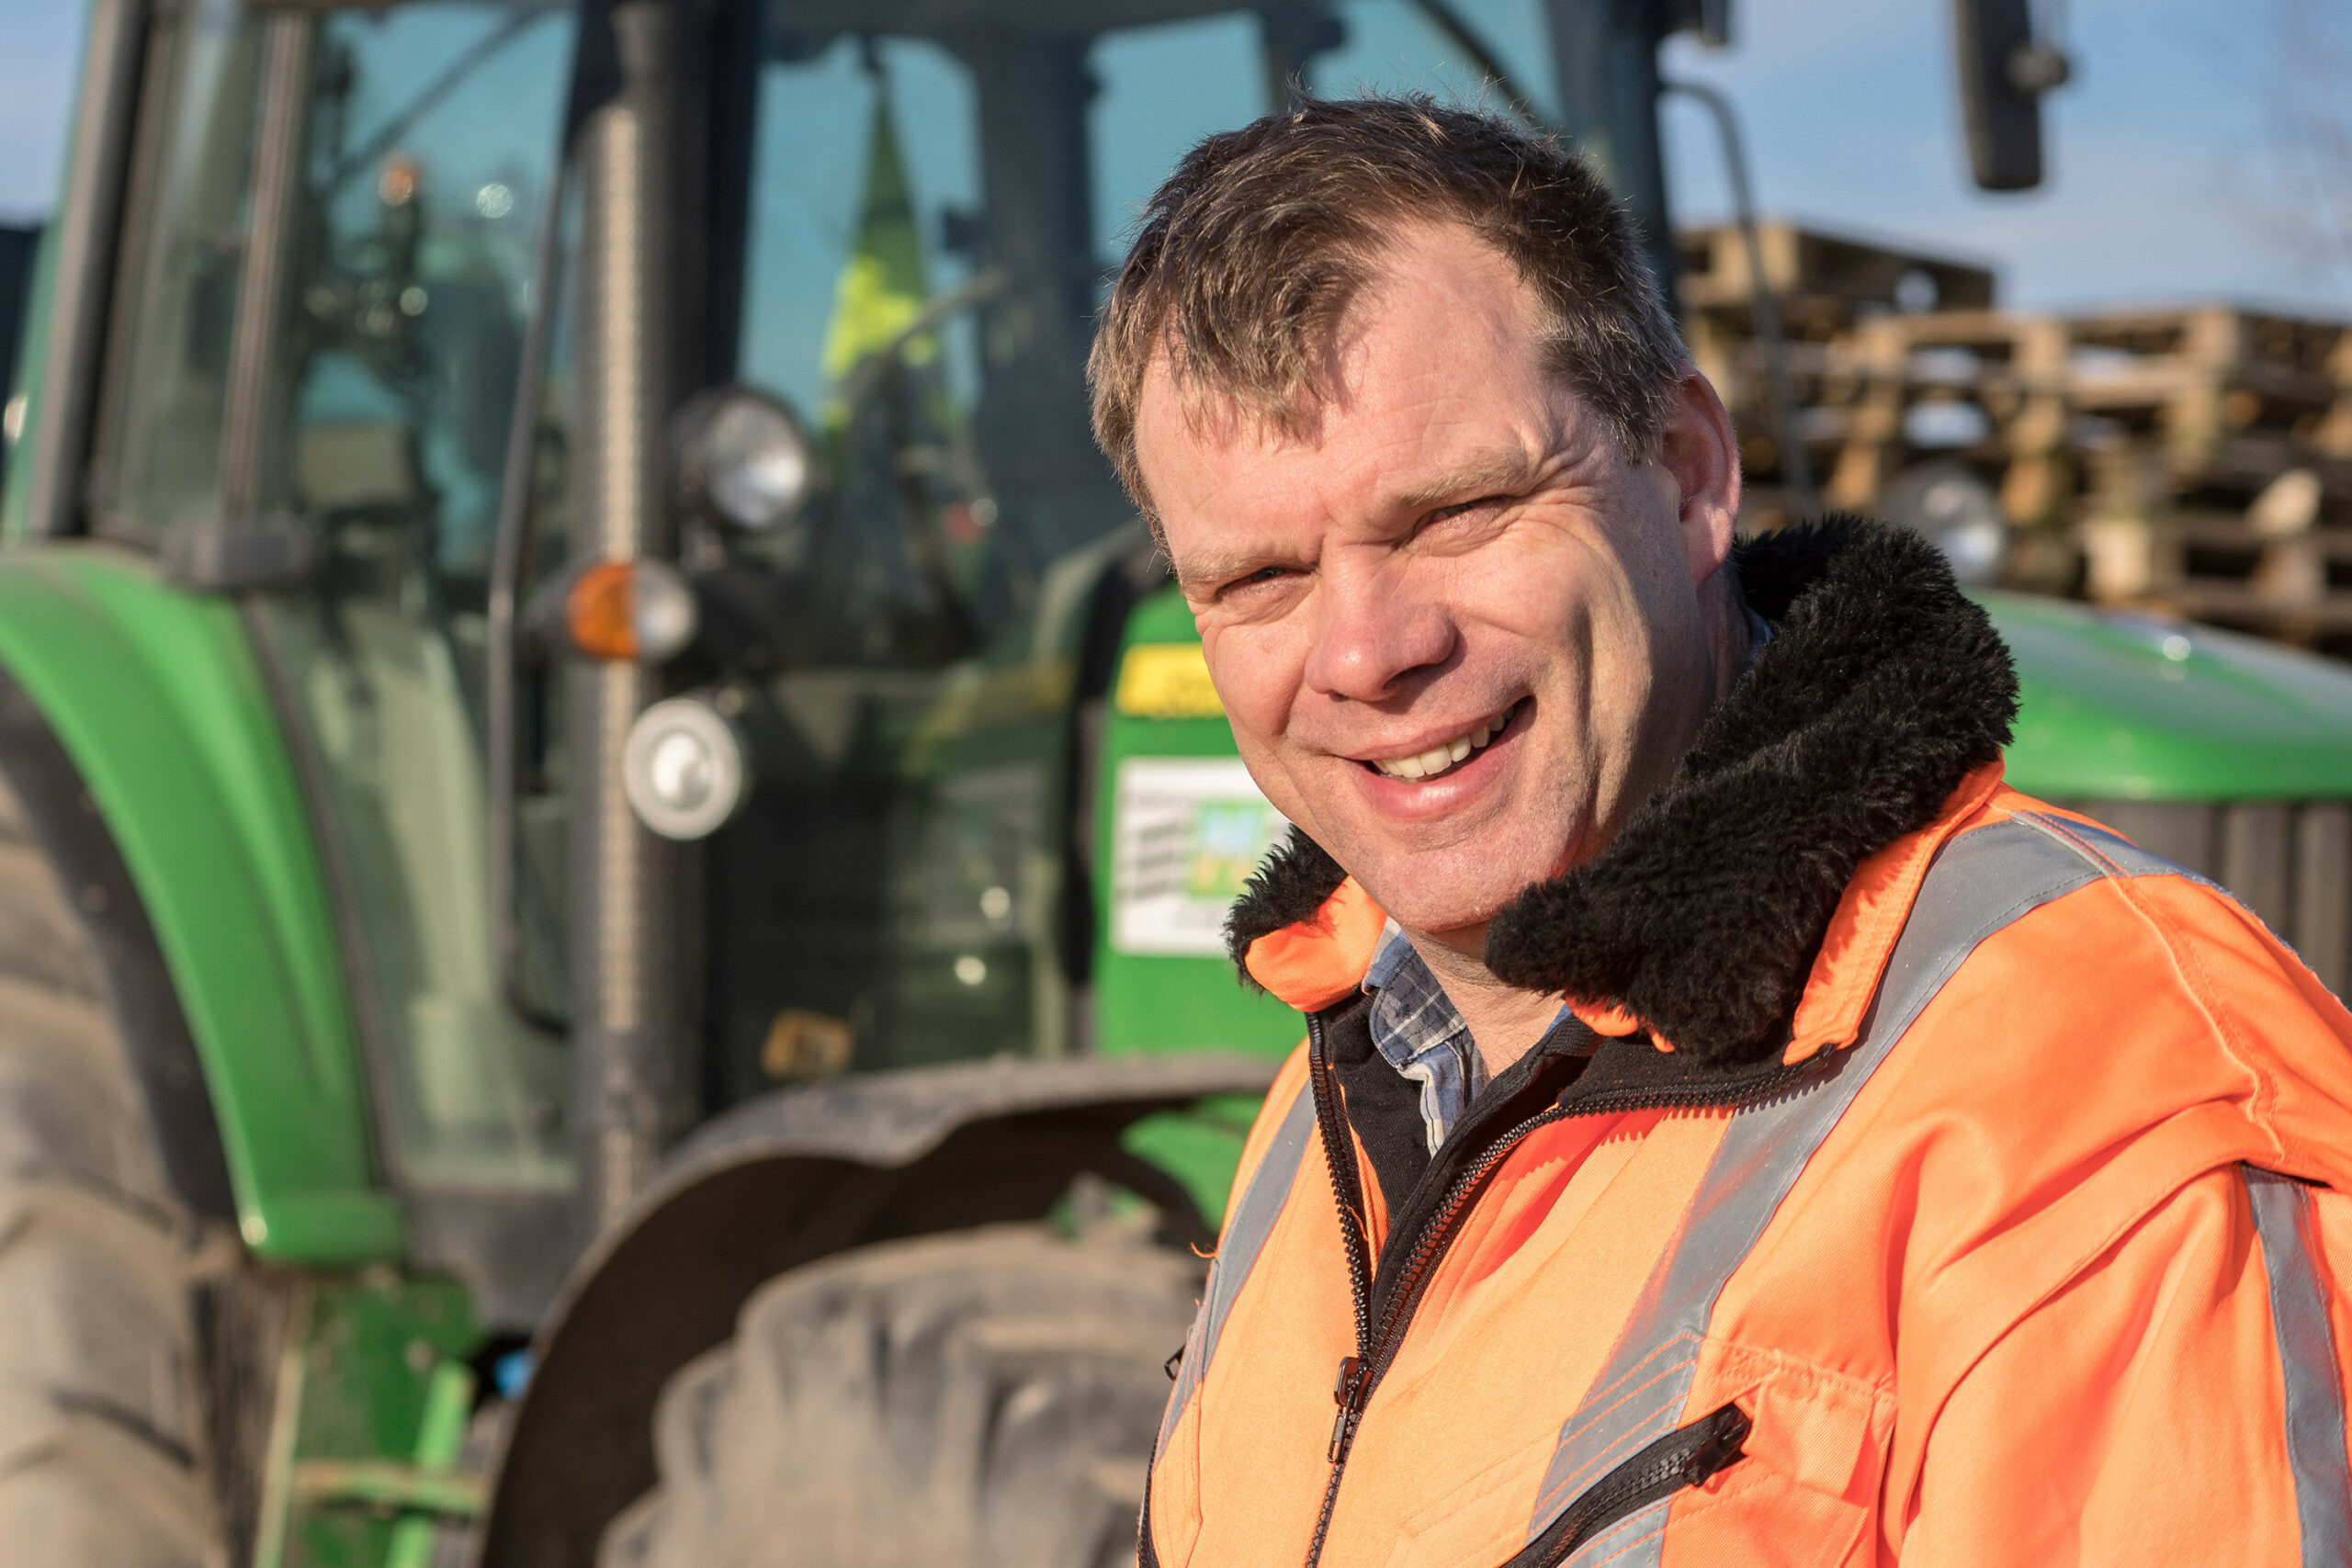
[[2024, 1251]]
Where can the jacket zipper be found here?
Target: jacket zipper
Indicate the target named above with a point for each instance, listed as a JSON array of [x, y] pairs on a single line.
[[1360, 1373], [1684, 1457], [1340, 1160]]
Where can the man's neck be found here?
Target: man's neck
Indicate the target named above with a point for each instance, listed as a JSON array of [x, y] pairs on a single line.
[[1505, 1021]]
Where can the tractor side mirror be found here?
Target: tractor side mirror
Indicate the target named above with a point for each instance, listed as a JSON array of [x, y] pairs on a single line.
[[2004, 71], [1710, 19]]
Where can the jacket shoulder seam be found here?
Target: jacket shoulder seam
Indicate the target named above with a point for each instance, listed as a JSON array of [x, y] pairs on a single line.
[[2220, 1021]]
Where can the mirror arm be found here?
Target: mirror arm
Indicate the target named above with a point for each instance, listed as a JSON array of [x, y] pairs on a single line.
[[1456, 27], [510, 550], [1796, 463], [425, 101]]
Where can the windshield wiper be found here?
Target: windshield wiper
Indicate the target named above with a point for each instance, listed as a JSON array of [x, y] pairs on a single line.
[[1456, 27], [433, 92]]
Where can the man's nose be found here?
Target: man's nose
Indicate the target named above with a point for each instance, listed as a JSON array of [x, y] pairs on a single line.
[[1374, 632]]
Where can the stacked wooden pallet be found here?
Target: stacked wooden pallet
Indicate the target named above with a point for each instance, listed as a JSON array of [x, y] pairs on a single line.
[[1827, 288], [2197, 458]]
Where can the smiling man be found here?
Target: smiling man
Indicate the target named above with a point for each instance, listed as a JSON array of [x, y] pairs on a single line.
[[1734, 1126]]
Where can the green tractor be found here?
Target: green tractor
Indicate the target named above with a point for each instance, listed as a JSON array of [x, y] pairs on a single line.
[[610, 842]]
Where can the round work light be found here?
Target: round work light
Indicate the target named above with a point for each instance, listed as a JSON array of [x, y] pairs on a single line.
[[686, 769], [743, 459]]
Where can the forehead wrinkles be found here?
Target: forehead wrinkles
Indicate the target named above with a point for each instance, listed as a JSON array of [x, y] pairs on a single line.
[[1437, 391]]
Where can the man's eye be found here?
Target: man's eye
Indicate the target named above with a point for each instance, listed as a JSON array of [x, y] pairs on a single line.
[[1485, 504], [1264, 574]]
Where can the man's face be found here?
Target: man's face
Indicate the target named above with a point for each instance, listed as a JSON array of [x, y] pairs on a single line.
[[1459, 635]]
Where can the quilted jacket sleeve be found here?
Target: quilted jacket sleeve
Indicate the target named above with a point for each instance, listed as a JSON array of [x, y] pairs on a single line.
[[2168, 1405]]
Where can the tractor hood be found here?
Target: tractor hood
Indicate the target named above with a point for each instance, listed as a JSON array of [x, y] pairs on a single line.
[[2118, 704]]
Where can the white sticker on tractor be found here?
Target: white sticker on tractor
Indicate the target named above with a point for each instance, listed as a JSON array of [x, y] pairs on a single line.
[[1185, 834]]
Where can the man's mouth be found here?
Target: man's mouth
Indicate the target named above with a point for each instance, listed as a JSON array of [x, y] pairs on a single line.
[[1444, 758]]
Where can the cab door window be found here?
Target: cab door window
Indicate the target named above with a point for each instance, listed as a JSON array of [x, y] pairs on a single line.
[[336, 215], [158, 463], [1158, 91], [429, 160]]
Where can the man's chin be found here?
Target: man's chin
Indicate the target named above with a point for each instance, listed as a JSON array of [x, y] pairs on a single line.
[[1447, 898]]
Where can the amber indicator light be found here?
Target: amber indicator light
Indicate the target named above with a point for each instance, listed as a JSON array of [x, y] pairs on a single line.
[[600, 611]]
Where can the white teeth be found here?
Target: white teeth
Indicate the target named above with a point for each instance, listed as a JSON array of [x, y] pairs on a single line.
[[1437, 758]]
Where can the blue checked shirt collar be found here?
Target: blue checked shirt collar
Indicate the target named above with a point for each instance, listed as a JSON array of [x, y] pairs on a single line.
[[1418, 1031]]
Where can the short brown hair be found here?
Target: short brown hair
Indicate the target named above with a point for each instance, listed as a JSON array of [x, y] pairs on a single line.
[[1251, 252]]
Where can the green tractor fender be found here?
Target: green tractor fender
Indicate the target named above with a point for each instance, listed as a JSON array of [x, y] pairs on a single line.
[[781, 1181], [2126, 705], [140, 729]]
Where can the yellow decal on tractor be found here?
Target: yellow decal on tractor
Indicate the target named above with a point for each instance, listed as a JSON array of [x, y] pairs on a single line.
[[1166, 680]]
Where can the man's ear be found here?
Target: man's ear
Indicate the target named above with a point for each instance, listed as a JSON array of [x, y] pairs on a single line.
[[1702, 451]]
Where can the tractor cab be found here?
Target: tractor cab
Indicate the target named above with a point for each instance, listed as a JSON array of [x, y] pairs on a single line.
[[494, 358]]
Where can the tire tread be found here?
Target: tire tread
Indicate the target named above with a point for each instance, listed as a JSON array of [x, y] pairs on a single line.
[[982, 1398], [102, 1409]]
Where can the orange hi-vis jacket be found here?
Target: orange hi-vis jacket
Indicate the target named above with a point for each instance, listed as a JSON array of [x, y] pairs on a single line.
[[2027, 1241]]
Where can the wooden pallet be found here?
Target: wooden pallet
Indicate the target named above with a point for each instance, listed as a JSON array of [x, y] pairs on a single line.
[[2234, 398], [1826, 286], [1825, 283], [2215, 567], [2008, 368], [2228, 398], [2133, 449]]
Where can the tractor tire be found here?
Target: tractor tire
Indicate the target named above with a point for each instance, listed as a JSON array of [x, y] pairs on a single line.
[[985, 1399], [105, 1425]]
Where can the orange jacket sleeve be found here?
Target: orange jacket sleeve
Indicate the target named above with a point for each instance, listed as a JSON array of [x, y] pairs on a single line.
[[2134, 1416]]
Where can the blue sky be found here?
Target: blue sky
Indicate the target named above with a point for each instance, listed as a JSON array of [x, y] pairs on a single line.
[[2163, 169], [2168, 179]]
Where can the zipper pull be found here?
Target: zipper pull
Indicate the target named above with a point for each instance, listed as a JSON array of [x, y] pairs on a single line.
[[1728, 1429], [1348, 1393]]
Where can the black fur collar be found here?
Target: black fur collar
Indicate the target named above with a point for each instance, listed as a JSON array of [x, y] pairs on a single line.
[[1882, 688]]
